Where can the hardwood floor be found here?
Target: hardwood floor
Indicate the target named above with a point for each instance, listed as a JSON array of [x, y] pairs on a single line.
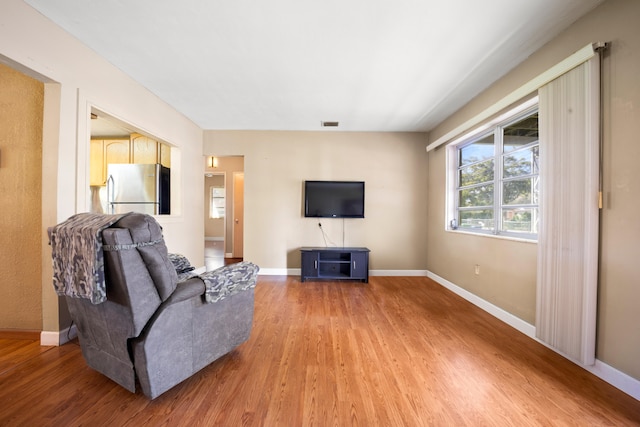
[[394, 352]]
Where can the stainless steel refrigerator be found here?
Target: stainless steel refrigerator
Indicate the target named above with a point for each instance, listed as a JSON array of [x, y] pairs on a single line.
[[138, 188]]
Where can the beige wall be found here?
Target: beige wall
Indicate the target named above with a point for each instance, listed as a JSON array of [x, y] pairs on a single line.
[[21, 109], [508, 268], [393, 166], [75, 80]]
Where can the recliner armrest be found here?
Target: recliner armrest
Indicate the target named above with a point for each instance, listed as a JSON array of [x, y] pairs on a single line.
[[228, 280], [185, 290]]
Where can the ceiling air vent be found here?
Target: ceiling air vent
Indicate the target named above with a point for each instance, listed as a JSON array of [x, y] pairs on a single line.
[[330, 124]]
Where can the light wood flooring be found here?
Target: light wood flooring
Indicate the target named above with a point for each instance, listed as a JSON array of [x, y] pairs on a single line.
[[393, 352], [214, 255]]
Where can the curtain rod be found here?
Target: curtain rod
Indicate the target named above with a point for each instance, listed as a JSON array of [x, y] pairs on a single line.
[[552, 73]]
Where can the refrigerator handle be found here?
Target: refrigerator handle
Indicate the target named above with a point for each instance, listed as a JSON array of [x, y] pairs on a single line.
[[110, 188]]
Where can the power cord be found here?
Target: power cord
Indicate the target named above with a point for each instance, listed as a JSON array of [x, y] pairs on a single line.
[[324, 236]]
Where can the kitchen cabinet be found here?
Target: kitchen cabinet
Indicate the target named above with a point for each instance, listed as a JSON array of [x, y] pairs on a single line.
[[101, 153], [116, 151], [165, 155], [144, 150], [96, 162], [137, 149]]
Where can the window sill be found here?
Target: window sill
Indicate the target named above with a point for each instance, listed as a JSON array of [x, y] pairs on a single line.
[[492, 236]]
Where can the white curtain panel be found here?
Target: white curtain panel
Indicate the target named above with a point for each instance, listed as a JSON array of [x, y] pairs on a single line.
[[569, 215]]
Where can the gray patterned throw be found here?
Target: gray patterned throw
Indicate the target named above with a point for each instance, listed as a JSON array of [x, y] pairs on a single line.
[[78, 262], [228, 280]]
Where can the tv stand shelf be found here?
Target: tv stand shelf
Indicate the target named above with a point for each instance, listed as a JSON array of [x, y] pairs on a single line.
[[335, 263]]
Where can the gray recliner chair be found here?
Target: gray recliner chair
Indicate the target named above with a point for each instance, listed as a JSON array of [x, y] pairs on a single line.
[[151, 327]]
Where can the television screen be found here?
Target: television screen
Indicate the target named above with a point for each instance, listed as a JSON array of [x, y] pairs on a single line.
[[334, 199]]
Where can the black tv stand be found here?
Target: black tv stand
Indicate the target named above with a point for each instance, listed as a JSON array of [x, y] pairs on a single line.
[[335, 263]]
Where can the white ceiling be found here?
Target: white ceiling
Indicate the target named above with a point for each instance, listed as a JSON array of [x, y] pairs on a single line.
[[102, 126], [372, 65]]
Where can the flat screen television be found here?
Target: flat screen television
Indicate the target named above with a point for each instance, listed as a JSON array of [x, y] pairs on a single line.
[[334, 199]]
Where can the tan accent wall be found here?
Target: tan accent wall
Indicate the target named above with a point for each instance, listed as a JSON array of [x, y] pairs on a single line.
[[276, 164], [508, 269], [21, 112]]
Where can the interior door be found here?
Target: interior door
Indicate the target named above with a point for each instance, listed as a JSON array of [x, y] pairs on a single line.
[[238, 214]]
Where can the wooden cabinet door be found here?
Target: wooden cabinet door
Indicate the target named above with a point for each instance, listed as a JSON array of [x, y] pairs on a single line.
[[143, 150], [116, 151], [309, 265], [96, 163], [165, 155], [359, 265]]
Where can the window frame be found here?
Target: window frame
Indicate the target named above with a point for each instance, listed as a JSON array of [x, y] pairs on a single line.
[[217, 202], [454, 169]]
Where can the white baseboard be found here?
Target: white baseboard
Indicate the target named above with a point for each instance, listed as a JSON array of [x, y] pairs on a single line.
[[398, 273], [56, 338], [279, 272], [297, 272], [616, 378], [508, 318]]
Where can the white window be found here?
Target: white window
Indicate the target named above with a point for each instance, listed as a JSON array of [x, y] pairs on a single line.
[[216, 202], [493, 177]]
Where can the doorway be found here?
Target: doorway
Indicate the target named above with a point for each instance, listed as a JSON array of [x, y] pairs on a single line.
[[224, 210], [214, 219]]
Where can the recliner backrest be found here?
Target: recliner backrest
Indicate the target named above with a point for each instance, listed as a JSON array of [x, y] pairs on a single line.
[[146, 233], [138, 272]]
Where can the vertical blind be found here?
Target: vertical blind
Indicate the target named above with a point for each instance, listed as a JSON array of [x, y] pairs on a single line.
[[568, 237]]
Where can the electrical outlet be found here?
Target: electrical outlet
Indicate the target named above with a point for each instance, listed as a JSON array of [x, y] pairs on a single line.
[[477, 269]]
